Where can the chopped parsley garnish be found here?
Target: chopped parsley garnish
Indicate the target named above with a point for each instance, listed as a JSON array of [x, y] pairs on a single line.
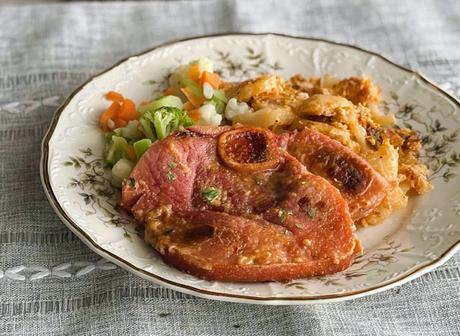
[[131, 182], [283, 214], [172, 165], [171, 176], [312, 213], [298, 225], [210, 194]]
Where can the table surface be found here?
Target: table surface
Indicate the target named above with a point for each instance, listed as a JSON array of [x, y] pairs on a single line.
[[52, 284]]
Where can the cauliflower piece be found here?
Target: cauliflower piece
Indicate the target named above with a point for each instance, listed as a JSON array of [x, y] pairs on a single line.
[[235, 108], [209, 115]]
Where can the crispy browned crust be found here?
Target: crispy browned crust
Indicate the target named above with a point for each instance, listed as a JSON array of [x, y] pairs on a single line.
[[257, 273]]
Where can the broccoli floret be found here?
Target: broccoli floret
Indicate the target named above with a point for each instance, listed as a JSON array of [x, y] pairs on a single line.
[[158, 124]]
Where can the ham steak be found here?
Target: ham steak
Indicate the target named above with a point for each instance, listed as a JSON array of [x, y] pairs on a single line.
[[359, 183], [230, 204]]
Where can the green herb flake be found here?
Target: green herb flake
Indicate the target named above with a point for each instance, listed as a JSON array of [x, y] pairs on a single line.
[[210, 194], [171, 176], [172, 165], [299, 225], [283, 214], [131, 182], [312, 213]]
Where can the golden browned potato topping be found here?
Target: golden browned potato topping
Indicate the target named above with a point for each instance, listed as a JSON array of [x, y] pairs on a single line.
[[347, 111], [358, 90]]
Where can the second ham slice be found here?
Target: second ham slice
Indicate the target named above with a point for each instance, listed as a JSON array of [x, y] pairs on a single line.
[[359, 183]]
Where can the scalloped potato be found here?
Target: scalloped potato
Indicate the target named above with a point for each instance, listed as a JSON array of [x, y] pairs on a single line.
[[323, 105], [267, 117], [345, 110]]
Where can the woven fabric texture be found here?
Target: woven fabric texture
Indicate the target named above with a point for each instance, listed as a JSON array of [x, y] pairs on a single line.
[[52, 284]]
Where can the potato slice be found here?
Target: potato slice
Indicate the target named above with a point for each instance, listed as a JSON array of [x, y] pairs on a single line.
[[267, 117], [263, 84], [323, 105]]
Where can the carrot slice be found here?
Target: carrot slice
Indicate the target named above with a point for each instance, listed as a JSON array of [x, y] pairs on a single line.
[[194, 114], [170, 91], [211, 78], [120, 111], [188, 93], [131, 153], [128, 110], [114, 96], [194, 73], [110, 113], [120, 122], [188, 106]]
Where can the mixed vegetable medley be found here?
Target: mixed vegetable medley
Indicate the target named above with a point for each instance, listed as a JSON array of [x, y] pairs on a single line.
[[194, 96]]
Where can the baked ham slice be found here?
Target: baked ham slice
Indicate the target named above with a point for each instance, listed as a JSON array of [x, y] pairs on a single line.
[[228, 204], [359, 183]]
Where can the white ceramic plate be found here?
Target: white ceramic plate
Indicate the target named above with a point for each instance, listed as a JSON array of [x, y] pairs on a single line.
[[407, 245]]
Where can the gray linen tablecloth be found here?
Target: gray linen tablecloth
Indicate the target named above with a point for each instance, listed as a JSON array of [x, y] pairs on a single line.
[[51, 283]]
